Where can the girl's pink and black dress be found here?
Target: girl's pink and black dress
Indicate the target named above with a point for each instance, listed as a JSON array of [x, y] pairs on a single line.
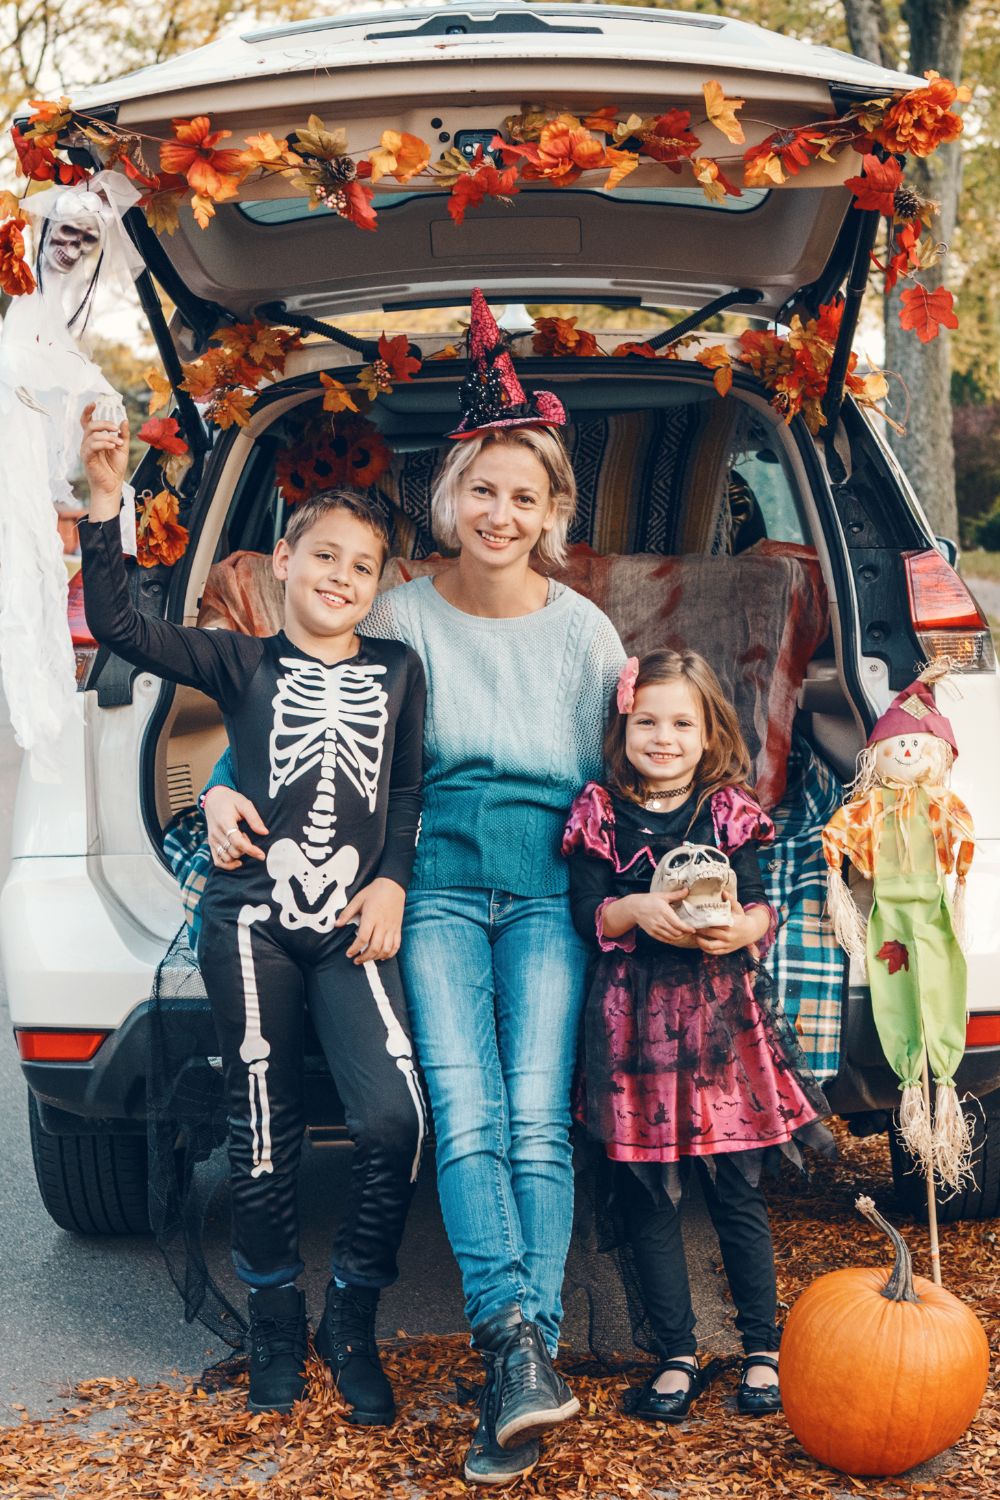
[[683, 1053]]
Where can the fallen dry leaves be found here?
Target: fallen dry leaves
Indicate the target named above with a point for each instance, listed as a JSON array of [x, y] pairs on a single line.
[[163, 1443]]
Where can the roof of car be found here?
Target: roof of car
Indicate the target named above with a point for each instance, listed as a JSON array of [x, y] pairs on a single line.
[[500, 28]]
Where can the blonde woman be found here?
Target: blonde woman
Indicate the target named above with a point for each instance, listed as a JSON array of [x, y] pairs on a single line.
[[519, 669]]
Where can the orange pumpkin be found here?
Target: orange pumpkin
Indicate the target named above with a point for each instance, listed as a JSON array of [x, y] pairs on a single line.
[[880, 1370]]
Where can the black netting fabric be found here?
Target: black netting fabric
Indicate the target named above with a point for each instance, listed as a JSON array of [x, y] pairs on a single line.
[[187, 1125]]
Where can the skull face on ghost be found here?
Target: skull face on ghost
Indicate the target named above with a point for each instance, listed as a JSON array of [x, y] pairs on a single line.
[[75, 231], [707, 873]]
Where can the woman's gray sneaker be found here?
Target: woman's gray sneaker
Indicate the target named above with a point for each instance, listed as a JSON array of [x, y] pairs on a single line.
[[533, 1397], [486, 1462]]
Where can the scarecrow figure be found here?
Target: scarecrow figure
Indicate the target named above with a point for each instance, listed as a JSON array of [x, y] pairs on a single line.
[[899, 828]]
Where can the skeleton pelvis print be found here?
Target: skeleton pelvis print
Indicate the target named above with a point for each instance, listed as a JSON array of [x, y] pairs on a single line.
[[333, 718]]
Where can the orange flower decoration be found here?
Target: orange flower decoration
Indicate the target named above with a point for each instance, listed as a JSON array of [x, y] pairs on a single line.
[[560, 337], [366, 455], [16, 277], [213, 175], [161, 538], [923, 119], [564, 149]]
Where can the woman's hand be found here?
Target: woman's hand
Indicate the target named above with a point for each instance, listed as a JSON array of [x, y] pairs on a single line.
[[747, 929], [225, 810], [378, 911], [104, 455], [653, 911]]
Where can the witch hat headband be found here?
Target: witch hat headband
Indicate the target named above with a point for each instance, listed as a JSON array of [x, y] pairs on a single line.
[[491, 394]]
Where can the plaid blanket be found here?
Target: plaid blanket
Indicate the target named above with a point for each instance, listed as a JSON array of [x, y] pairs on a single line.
[[806, 961], [186, 847]]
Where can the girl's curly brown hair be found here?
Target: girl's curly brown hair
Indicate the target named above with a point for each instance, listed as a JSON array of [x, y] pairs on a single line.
[[725, 760]]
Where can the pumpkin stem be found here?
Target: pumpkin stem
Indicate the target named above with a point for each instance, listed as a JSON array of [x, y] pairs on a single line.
[[899, 1287]]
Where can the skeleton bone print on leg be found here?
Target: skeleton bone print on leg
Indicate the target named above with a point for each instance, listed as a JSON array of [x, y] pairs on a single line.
[[255, 1049], [333, 717], [398, 1045]]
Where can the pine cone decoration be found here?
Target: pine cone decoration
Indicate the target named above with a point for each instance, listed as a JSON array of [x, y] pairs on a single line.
[[906, 204], [338, 170]]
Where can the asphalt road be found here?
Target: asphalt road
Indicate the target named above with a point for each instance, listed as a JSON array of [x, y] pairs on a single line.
[[76, 1308]]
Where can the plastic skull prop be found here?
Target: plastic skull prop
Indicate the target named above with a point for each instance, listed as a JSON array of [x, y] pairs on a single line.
[[75, 232], [707, 873]]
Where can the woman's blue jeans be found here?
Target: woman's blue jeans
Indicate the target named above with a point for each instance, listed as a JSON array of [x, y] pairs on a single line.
[[495, 985]]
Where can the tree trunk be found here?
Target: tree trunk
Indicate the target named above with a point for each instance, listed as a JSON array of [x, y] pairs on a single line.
[[866, 31], [937, 29]]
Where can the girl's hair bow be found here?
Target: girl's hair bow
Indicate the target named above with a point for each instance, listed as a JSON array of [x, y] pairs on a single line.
[[626, 685]]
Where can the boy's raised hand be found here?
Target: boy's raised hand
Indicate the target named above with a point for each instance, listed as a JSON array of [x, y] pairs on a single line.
[[378, 911], [104, 455]]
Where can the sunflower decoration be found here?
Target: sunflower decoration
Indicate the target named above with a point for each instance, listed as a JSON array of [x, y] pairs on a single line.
[[347, 450]]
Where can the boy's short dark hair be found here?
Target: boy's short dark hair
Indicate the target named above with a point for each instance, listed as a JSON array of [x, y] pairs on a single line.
[[307, 512]]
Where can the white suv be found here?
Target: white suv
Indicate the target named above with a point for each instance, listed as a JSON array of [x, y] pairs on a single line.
[[90, 907]]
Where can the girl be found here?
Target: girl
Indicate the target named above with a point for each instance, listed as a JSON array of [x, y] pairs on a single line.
[[683, 1058], [519, 669]]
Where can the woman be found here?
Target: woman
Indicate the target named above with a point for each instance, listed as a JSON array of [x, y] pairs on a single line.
[[519, 669]]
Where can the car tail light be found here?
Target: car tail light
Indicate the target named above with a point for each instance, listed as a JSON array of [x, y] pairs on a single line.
[[948, 622], [59, 1046], [84, 645], [983, 1030]]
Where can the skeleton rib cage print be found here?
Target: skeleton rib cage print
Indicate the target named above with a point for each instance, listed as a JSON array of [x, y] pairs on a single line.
[[333, 718]]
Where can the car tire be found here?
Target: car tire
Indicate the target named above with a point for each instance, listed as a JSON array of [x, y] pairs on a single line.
[[980, 1198], [93, 1183]]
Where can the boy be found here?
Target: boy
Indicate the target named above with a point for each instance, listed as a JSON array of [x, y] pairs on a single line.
[[326, 733]]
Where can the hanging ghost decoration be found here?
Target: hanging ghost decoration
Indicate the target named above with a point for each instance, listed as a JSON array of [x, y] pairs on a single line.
[[46, 379], [905, 830]]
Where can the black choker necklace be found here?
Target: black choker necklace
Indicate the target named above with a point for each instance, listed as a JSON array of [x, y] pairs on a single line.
[[652, 804]]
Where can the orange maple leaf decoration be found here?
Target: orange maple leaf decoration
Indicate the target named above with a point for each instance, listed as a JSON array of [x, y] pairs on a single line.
[[894, 955], [399, 155], [160, 536], [722, 112], [668, 140], [560, 337], [719, 359], [212, 175], [923, 119], [876, 188], [926, 313], [484, 181], [163, 434], [16, 277], [336, 396], [37, 159], [645, 350]]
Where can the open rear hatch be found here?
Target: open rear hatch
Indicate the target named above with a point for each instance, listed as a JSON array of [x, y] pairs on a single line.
[[451, 75]]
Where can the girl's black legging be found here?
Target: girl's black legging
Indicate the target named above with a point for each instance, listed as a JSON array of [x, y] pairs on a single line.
[[259, 992], [739, 1214]]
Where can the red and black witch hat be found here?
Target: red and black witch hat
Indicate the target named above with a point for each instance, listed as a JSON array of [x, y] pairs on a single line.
[[491, 394]]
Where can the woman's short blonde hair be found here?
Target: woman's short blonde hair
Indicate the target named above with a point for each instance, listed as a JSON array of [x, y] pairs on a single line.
[[547, 446]]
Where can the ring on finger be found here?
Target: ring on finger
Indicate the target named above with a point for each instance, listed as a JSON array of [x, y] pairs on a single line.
[[230, 832], [221, 850]]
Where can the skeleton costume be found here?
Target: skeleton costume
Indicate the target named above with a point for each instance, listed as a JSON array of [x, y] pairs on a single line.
[[332, 757], [682, 1058]]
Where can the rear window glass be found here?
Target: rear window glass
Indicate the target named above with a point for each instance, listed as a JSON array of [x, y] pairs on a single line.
[[278, 211]]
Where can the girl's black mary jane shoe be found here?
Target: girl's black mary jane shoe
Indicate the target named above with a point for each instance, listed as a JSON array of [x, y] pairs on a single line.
[[758, 1401], [651, 1405]]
